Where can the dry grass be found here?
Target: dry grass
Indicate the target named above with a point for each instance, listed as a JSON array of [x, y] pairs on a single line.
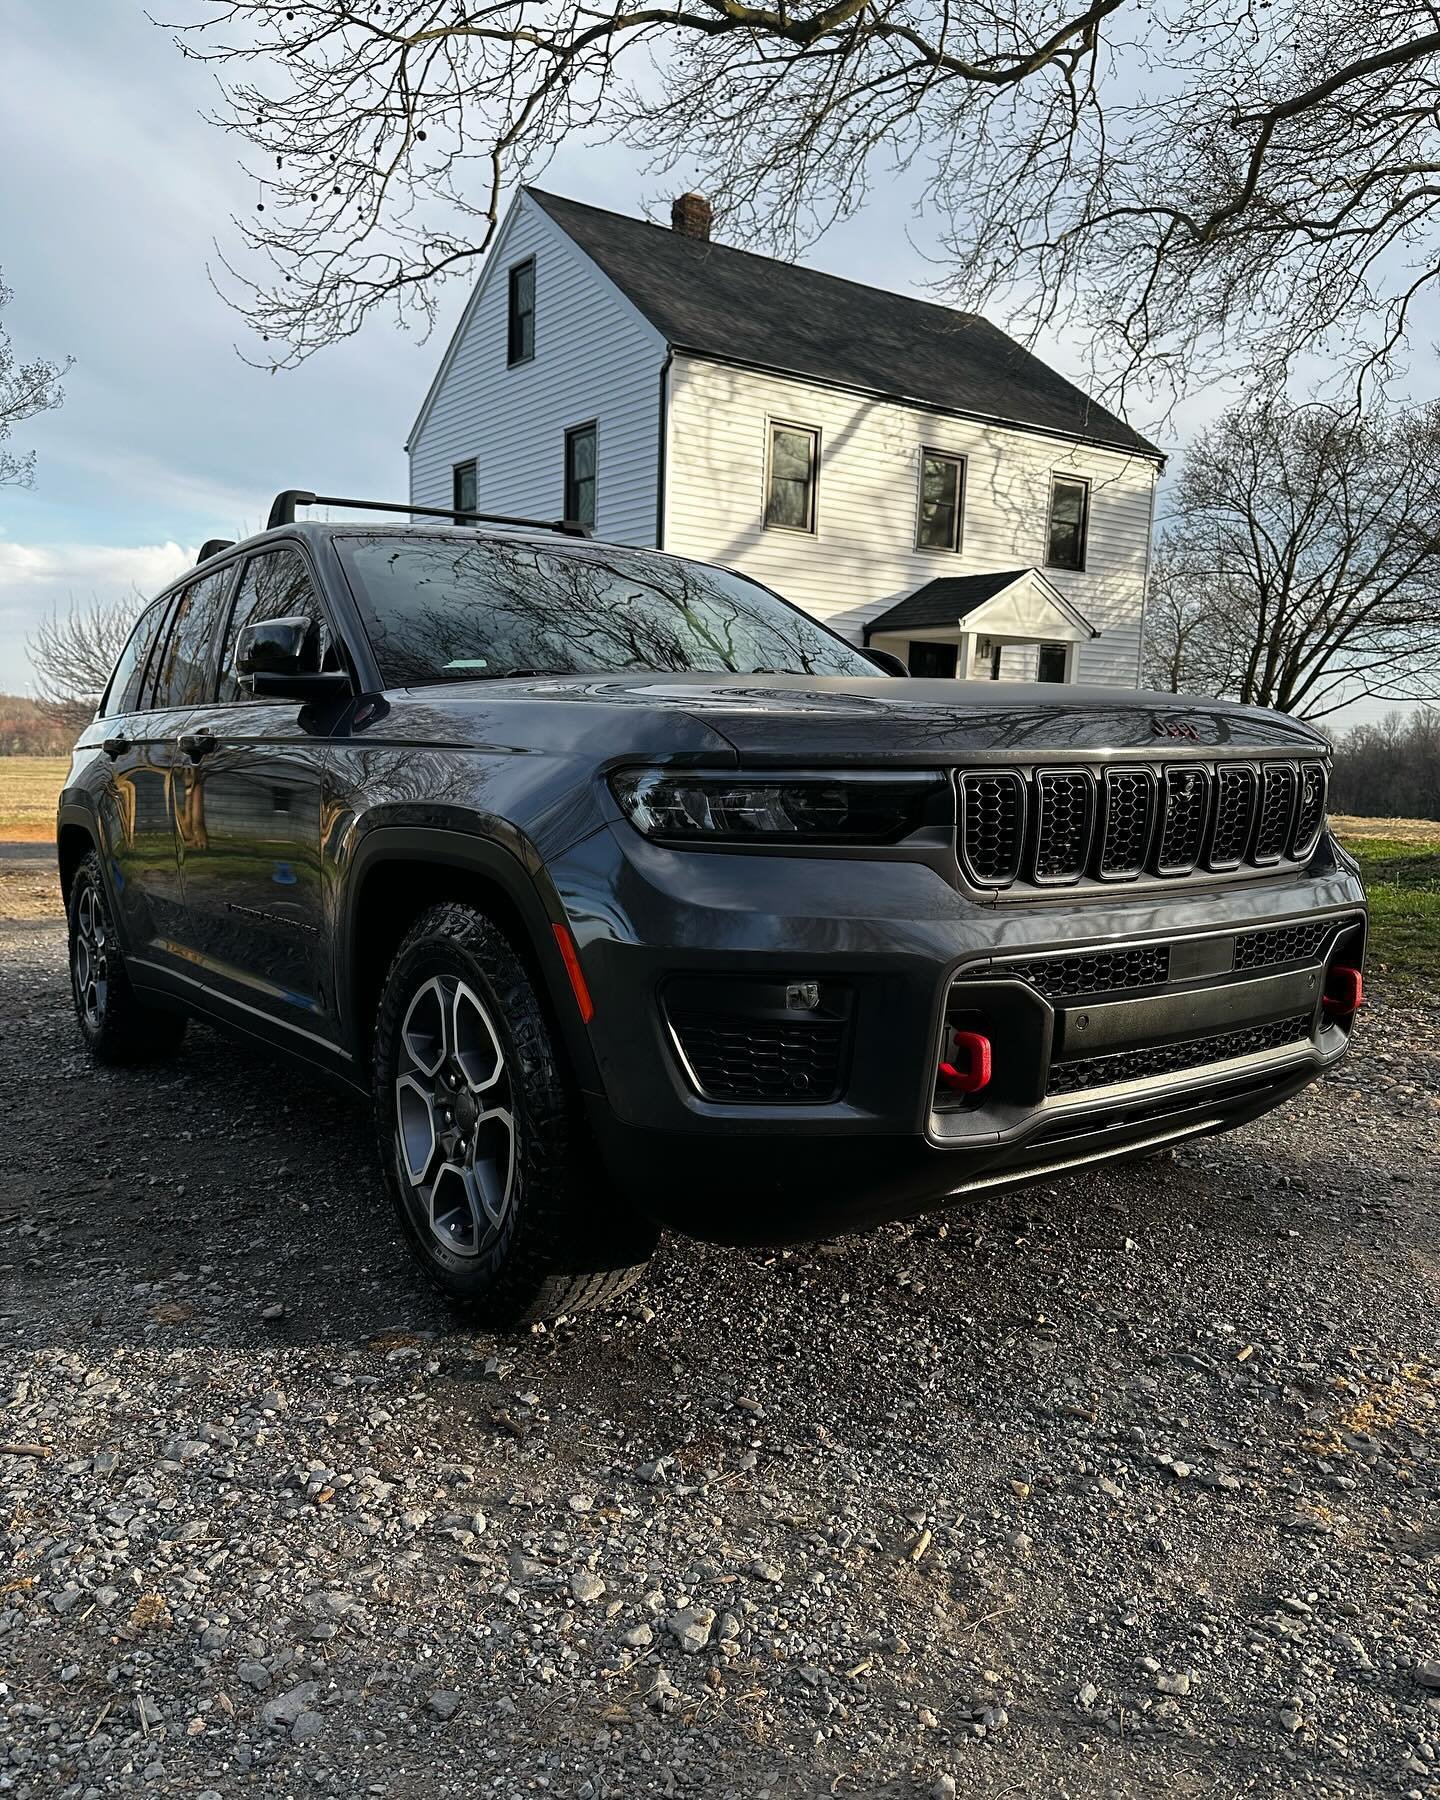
[[29, 786], [1407, 831]]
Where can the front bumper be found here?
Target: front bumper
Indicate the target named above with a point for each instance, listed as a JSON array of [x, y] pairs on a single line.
[[1080, 1077]]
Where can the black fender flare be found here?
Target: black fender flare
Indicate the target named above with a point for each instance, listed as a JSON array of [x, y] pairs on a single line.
[[526, 886]]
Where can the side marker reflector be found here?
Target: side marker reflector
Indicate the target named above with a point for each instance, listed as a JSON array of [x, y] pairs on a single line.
[[570, 956], [968, 1069]]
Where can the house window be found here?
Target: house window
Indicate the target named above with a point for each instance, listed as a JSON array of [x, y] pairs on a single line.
[[1050, 663], [580, 474], [522, 312], [790, 479], [463, 489], [1069, 522], [942, 500]]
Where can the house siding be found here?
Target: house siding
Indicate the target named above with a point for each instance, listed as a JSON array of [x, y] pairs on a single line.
[[595, 358], [862, 556]]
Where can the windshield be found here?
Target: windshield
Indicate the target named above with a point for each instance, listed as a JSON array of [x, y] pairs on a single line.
[[475, 609]]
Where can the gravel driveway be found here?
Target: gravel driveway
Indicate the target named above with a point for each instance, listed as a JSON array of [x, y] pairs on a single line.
[[1121, 1486]]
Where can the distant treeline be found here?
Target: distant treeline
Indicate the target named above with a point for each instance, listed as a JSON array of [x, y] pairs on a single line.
[[32, 728], [1390, 770]]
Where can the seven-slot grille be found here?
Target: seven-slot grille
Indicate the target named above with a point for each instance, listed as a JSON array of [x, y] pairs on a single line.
[[1056, 827]]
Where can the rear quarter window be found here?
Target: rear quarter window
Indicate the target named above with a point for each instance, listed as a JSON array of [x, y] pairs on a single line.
[[123, 693]]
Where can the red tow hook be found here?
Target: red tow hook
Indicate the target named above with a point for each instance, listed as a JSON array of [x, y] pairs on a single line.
[[968, 1069], [1344, 992]]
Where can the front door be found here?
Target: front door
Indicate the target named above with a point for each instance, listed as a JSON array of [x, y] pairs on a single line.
[[1052, 662], [936, 660], [250, 821]]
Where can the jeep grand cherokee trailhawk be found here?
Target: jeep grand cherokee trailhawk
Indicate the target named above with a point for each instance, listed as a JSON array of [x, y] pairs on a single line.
[[634, 896]]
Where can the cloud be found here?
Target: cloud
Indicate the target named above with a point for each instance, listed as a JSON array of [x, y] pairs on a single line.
[[36, 579]]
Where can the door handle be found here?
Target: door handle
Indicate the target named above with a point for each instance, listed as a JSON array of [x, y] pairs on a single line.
[[116, 746], [196, 744]]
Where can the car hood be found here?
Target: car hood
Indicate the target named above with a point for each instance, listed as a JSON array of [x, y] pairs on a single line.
[[792, 719]]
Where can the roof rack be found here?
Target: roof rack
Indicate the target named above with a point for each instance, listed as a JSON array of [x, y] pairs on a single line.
[[283, 513]]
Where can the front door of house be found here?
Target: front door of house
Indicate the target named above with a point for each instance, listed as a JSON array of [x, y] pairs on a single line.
[[1050, 665]]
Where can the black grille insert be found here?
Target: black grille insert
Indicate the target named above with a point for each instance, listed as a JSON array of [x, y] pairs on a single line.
[[1087, 971], [992, 826], [1127, 822], [1309, 811], [1236, 785], [1277, 809], [1170, 1059], [1184, 807], [1282, 944], [738, 1058], [1066, 817]]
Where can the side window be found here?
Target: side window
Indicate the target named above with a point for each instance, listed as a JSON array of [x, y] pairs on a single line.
[[464, 491], [186, 667], [1069, 522], [521, 337], [790, 477], [123, 693], [275, 585], [580, 473]]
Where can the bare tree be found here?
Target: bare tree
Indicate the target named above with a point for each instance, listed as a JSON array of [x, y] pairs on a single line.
[[1181, 182], [1299, 565], [73, 653], [25, 389]]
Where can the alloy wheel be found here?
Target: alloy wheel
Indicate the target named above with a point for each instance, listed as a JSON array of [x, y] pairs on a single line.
[[455, 1124], [91, 957]]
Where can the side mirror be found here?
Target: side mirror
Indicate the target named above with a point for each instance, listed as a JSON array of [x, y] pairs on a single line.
[[277, 660], [889, 661]]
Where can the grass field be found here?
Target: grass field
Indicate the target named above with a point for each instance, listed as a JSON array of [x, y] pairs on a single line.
[[1400, 858], [28, 789]]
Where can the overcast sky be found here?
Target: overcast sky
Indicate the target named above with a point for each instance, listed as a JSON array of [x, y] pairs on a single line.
[[114, 192]]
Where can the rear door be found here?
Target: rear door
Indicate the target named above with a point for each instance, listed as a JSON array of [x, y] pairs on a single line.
[[250, 830], [140, 804]]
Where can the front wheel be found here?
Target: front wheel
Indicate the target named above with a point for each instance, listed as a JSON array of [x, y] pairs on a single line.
[[481, 1139]]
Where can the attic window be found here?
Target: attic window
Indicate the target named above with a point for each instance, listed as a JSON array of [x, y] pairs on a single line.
[[522, 312]]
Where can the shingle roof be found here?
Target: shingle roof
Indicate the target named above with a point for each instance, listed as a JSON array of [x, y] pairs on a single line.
[[738, 307], [943, 601]]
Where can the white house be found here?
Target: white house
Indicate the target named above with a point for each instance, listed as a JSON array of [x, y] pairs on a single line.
[[906, 472]]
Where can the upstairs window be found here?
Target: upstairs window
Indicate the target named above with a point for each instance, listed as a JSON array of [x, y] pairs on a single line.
[[942, 499], [790, 477], [580, 473], [1069, 522], [522, 312], [463, 490]]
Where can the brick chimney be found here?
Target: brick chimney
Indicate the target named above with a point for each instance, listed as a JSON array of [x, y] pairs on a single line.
[[690, 216]]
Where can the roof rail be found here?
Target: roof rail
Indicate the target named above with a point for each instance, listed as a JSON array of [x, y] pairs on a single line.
[[213, 547], [283, 513]]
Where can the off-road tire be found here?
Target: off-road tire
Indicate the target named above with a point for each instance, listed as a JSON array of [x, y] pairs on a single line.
[[117, 1026], [564, 1241]]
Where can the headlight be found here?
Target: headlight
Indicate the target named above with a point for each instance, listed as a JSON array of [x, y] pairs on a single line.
[[840, 809]]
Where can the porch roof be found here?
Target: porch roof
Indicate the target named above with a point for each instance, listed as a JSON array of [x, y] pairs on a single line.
[[1018, 603]]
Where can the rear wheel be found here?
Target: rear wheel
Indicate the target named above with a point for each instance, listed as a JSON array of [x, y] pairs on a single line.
[[483, 1144], [117, 1027]]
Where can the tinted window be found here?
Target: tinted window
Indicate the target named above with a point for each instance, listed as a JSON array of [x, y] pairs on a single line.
[[186, 669], [123, 694], [275, 585], [448, 609]]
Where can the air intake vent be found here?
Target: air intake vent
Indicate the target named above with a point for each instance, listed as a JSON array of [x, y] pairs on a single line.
[[1236, 786], [1184, 807], [1065, 801], [992, 827]]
